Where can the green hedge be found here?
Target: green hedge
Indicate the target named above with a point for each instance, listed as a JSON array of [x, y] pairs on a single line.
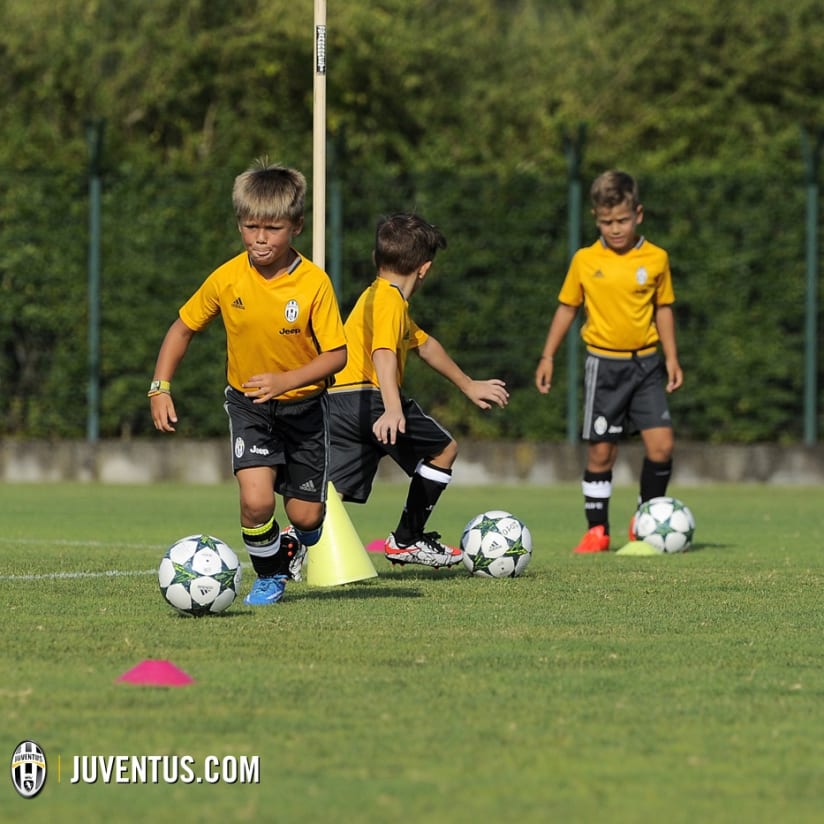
[[736, 243]]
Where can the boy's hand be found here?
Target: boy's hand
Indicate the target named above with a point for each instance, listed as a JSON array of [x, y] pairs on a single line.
[[485, 393], [675, 377], [543, 375], [387, 426], [264, 387], [163, 412]]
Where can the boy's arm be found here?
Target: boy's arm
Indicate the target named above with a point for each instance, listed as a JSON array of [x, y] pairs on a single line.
[[392, 421], [171, 353], [561, 322], [481, 393], [665, 323], [269, 385]]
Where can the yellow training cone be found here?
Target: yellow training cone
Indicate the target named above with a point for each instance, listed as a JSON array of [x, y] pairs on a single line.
[[638, 548], [339, 557]]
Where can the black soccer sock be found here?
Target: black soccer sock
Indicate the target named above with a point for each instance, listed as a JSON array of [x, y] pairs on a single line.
[[262, 543], [597, 489], [655, 477], [425, 488]]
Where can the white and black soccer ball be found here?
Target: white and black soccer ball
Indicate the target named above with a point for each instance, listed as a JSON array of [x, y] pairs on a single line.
[[666, 524], [199, 575], [496, 544]]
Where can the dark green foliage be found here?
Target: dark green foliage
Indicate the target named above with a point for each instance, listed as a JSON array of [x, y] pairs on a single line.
[[454, 110]]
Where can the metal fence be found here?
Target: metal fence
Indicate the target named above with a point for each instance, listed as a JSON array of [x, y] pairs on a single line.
[[739, 243]]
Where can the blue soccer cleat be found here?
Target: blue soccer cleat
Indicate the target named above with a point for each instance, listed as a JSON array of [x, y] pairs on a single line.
[[266, 591]]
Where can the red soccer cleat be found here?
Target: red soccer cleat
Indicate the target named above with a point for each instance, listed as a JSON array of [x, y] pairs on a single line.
[[594, 540]]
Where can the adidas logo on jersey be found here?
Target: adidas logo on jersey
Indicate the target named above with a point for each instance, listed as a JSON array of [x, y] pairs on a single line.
[[308, 486], [237, 303]]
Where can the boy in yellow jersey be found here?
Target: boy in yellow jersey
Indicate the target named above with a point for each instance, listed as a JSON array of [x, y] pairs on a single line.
[[625, 285], [285, 341], [370, 417]]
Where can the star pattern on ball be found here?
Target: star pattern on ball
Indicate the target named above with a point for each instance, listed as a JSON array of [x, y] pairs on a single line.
[[225, 577], [517, 548], [184, 574], [486, 525], [207, 541]]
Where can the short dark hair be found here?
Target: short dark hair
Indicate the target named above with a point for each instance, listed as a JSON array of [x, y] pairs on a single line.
[[404, 242]]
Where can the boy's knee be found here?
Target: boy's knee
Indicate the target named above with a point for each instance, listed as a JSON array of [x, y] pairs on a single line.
[[601, 456], [309, 524], [447, 456], [256, 513]]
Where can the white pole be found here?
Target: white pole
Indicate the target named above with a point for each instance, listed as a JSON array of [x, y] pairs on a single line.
[[319, 140]]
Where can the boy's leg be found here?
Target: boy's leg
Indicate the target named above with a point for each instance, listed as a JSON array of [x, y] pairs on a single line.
[[430, 479], [649, 410], [257, 457], [261, 534], [304, 531], [409, 543], [302, 481], [597, 490], [656, 470], [259, 530]]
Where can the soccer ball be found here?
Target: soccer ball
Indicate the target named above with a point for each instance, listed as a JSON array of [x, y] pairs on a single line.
[[199, 575], [665, 523], [496, 544]]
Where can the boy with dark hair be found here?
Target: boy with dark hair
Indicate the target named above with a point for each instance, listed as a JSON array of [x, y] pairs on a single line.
[[370, 417], [285, 341], [625, 285]]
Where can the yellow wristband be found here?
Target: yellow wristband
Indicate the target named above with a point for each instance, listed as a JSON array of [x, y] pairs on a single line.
[[158, 387]]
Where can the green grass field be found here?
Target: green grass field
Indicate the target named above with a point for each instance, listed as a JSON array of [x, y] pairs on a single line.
[[684, 688]]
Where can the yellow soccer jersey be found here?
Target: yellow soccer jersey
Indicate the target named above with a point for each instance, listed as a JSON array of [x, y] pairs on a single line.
[[271, 325], [619, 294], [379, 320]]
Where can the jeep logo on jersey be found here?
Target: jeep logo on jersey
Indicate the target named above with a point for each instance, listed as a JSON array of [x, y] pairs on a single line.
[[28, 769], [292, 311]]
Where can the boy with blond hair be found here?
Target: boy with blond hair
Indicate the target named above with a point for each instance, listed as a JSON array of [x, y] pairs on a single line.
[[285, 341]]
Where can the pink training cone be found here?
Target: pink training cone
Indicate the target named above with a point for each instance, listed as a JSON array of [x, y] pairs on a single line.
[[153, 673], [377, 545]]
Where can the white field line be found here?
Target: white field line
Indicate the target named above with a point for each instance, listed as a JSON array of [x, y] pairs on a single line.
[[59, 542], [107, 573], [53, 576]]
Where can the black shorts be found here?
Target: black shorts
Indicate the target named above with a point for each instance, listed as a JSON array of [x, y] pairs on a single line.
[[290, 437], [355, 452], [623, 396]]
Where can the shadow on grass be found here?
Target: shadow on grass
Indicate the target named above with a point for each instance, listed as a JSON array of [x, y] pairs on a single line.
[[389, 584], [352, 591], [392, 583], [707, 545]]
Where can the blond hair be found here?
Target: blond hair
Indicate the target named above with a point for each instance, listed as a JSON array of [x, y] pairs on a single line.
[[269, 192]]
